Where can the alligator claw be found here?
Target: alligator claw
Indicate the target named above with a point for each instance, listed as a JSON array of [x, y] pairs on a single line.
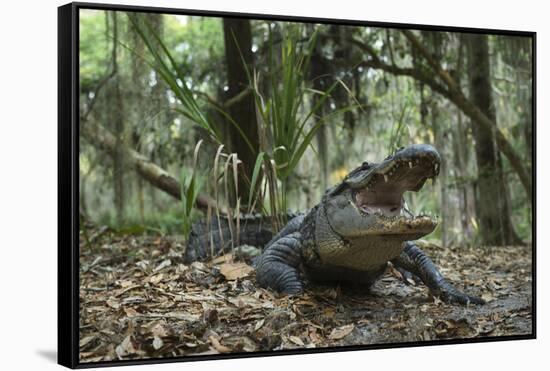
[[457, 297]]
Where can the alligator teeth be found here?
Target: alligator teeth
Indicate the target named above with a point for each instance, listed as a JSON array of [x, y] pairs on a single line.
[[385, 178], [410, 164]]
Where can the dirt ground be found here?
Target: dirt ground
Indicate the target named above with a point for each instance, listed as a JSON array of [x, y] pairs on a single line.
[[138, 300]]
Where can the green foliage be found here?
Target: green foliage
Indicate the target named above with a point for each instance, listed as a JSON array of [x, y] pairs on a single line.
[[197, 44], [93, 47], [167, 68], [190, 189], [172, 74], [282, 113]]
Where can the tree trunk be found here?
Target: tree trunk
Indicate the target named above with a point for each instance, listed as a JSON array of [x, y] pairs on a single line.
[[238, 47], [116, 110], [439, 137], [318, 71], [461, 156], [439, 125], [491, 201], [147, 101]]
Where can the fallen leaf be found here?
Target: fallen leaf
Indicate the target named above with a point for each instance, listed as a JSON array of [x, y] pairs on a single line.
[[242, 301], [181, 268], [157, 343], [113, 303], [86, 340], [126, 283], [156, 279], [216, 344], [159, 330], [328, 312], [487, 297], [341, 332], [222, 259], [126, 347], [165, 263], [296, 340], [233, 271], [314, 336], [259, 324], [130, 312]]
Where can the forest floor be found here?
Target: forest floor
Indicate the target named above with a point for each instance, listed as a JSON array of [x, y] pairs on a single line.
[[138, 300]]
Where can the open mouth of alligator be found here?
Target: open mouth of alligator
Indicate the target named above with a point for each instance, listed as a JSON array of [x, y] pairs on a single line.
[[383, 191]]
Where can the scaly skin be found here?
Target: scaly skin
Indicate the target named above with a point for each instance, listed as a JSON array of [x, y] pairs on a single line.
[[358, 227]]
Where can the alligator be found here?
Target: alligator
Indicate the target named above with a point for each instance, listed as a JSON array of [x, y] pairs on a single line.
[[360, 226]]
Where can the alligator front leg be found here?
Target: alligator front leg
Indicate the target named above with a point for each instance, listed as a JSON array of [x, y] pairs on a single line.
[[278, 267], [414, 260]]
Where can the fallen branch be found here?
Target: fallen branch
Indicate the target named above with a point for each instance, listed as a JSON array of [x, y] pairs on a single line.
[[158, 177]]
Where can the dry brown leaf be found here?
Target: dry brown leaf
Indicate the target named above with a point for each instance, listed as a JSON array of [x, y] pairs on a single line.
[[185, 301], [86, 340], [159, 330], [165, 263], [126, 347], [130, 312], [126, 283], [259, 324], [296, 340], [216, 344], [341, 332], [233, 271], [314, 336], [181, 268], [242, 301], [113, 303], [157, 343], [222, 259], [156, 279], [90, 359]]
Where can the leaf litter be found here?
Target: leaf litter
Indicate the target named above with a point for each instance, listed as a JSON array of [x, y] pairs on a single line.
[[138, 300]]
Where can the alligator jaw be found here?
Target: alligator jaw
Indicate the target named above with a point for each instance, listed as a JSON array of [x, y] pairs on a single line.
[[383, 194], [382, 189]]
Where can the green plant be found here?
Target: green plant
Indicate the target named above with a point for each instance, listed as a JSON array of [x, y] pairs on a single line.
[[281, 112], [282, 115], [190, 189], [165, 65]]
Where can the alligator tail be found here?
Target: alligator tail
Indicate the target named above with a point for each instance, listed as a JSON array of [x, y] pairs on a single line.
[[211, 239]]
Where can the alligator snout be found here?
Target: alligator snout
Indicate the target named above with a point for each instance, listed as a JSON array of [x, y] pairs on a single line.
[[417, 151]]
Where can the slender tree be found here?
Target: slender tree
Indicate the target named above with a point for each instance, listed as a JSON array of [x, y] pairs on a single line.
[[491, 201], [116, 107], [239, 57]]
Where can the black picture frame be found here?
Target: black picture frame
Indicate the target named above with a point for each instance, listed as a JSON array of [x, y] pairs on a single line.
[[68, 181]]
